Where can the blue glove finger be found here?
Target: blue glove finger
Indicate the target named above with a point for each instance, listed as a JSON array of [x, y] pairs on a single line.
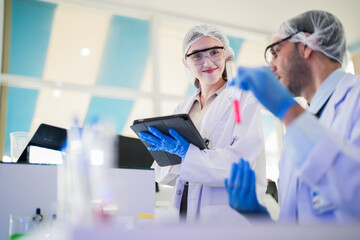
[[239, 176], [154, 148], [240, 80], [246, 174], [249, 200], [234, 169], [226, 180], [159, 134], [146, 136], [243, 80], [176, 135], [149, 138], [235, 196], [182, 145], [250, 78], [177, 145], [229, 182], [231, 83], [241, 194]]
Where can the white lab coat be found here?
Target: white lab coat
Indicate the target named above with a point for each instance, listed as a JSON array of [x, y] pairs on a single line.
[[330, 147], [205, 170]]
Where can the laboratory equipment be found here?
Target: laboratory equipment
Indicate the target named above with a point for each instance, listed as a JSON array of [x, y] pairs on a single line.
[[266, 87], [19, 226], [18, 142], [231, 74]]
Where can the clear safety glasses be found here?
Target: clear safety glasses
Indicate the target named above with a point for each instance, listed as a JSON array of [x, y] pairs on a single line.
[[270, 53], [198, 57]]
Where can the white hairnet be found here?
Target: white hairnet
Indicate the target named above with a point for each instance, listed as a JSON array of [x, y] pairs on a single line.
[[326, 33], [205, 30]]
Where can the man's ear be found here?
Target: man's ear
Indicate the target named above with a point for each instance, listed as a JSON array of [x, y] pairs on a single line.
[[308, 51], [305, 50]]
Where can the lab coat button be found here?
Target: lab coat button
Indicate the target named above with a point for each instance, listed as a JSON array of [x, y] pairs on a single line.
[[178, 192]]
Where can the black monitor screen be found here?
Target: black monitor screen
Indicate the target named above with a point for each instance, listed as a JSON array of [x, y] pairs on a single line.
[[133, 153], [46, 136]]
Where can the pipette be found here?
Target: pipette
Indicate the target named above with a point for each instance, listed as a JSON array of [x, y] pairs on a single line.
[[230, 71]]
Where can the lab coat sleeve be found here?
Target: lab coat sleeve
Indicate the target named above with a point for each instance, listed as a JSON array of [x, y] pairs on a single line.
[[166, 175], [327, 161], [210, 167]]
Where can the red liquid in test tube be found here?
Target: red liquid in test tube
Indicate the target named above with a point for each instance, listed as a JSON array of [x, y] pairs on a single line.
[[236, 107], [230, 70], [236, 104]]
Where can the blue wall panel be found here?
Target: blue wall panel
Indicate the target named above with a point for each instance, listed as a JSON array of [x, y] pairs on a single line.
[[126, 53], [115, 111], [20, 112], [354, 47], [31, 24], [235, 44]]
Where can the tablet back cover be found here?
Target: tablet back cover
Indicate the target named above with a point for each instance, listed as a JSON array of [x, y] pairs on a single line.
[[181, 123]]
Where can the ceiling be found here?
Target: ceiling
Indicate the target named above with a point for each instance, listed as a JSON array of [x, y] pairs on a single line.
[[260, 16]]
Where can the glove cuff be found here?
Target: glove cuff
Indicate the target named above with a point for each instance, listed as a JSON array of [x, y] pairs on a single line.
[[285, 107]]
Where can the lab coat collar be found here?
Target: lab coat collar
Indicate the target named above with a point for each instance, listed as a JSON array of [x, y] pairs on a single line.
[[219, 107], [345, 83], [191, 100], [197, 95], [325, 91]]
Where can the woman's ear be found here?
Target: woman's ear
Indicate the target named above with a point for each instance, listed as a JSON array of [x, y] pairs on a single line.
[[229, 54], [185, 63]]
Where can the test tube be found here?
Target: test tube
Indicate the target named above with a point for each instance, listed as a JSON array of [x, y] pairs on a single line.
[[230, 71], [236, 106]]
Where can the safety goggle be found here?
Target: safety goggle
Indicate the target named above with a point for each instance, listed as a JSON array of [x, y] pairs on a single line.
[[198, 57], [270, 53]]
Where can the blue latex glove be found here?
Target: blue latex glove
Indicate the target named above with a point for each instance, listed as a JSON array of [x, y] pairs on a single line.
[[161, 142], [241, 189], [266, 87]]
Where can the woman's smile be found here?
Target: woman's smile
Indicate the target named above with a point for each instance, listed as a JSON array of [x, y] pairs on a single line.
[[210, 70]]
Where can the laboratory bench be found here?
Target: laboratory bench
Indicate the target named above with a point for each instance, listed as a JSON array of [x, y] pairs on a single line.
[[26, 187]]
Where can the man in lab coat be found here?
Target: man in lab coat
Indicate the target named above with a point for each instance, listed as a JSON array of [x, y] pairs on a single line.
[[319, 173]]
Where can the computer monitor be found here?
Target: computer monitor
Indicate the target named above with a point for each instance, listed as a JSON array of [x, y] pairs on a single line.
[[132, 153], [46, 136]]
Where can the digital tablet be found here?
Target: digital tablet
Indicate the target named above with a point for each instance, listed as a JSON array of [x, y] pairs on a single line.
[[181, 123]]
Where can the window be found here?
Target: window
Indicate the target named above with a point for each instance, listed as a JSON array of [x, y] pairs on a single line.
[[69, 61]]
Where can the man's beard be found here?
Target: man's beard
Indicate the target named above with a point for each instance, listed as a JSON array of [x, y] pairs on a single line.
[[297, 74]]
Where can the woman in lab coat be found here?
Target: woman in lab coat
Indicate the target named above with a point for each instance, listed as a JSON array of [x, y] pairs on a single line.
[[205, 51]]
